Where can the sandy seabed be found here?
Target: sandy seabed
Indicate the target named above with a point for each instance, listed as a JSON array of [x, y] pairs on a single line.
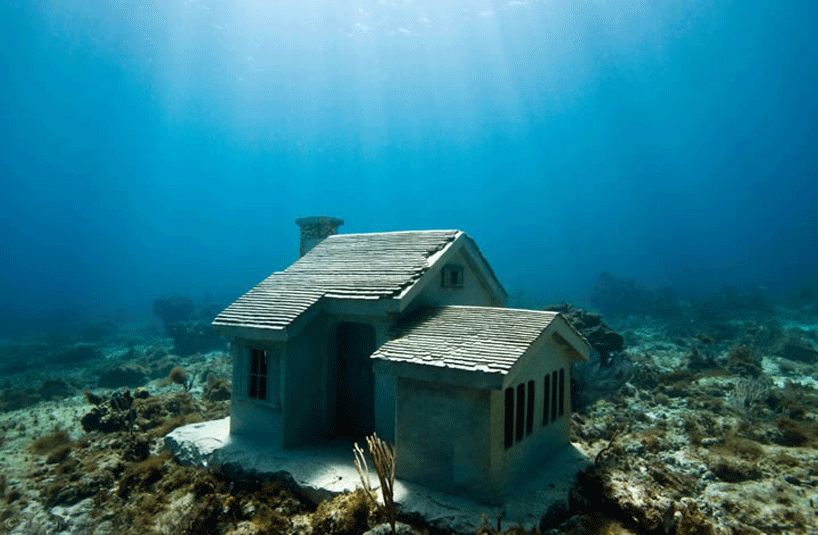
[[693, 429]]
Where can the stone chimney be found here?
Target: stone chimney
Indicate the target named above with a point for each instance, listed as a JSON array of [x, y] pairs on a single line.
[[314, 229]]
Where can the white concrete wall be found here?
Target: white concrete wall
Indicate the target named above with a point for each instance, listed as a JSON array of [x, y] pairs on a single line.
[[253, 417], [385, 407], [304, 393], [443, 437], [384, 389], [516, 462]]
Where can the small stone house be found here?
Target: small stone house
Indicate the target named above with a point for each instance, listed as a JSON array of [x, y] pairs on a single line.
[[404, 334]]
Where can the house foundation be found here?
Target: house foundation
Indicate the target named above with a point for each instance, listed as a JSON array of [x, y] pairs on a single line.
[[322, 471]]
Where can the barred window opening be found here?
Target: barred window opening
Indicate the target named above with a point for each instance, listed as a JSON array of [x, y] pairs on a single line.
[[509, 420], [562, 393], [529, 410], [520, 412], [258, 374], [546, 395]]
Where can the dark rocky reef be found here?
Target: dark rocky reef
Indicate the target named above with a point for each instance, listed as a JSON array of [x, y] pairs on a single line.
[[615, 296], [13, 397], [173, 309], [189, 325], [191, 337], [608, 369], [598, 333], [123, 374], [76, 355], [730, 303], [110, 415], [797, 348], [140, 412], [96, 331]]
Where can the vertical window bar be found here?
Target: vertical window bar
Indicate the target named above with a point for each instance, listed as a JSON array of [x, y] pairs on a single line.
[[258, 374], [509, 421], [520, 416], [262, 376], [253, 373], [529, 409], [554, 396], [546, 393], [562, 392]]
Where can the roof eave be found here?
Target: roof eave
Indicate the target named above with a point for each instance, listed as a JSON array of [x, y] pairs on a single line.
[[408, 295], [486, 274], [270, 333], [580, 348], [251, 333], [373, 307], [478, 379]]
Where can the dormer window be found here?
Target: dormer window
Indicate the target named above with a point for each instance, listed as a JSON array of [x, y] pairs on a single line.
[[452, 276]]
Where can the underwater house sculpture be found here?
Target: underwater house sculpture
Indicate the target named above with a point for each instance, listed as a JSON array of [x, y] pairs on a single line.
[[404, 334]]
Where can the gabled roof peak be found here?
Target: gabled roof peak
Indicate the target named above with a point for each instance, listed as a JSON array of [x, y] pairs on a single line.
[[467, 340], [396, 232], [346, 266]]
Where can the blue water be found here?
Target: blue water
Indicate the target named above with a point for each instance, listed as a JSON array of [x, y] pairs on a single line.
[[167, 147]]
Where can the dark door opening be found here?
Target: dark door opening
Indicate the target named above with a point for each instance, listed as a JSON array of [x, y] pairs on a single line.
[[355, 403]]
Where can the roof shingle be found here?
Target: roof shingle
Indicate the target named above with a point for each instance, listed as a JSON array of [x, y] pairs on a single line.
[[347, 266], [486, 339]]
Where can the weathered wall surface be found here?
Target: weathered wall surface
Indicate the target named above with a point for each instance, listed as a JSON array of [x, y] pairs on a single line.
[[256, 420], [305, 388], [442, 438], [253, 417], [517, 462]]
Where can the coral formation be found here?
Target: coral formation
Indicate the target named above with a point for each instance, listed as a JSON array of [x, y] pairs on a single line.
[[191, 337], [601, 337], [701, 423], [615, 296], [123, 374], [173, 309], [217, 389]]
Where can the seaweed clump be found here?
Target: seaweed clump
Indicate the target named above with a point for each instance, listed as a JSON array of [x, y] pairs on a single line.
[[744, 362], [179, 376], [346, 514], [141, 476], [56, 440]]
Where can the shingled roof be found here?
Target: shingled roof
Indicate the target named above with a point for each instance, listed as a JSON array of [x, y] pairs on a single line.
[[346, 266], [487, 340]]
